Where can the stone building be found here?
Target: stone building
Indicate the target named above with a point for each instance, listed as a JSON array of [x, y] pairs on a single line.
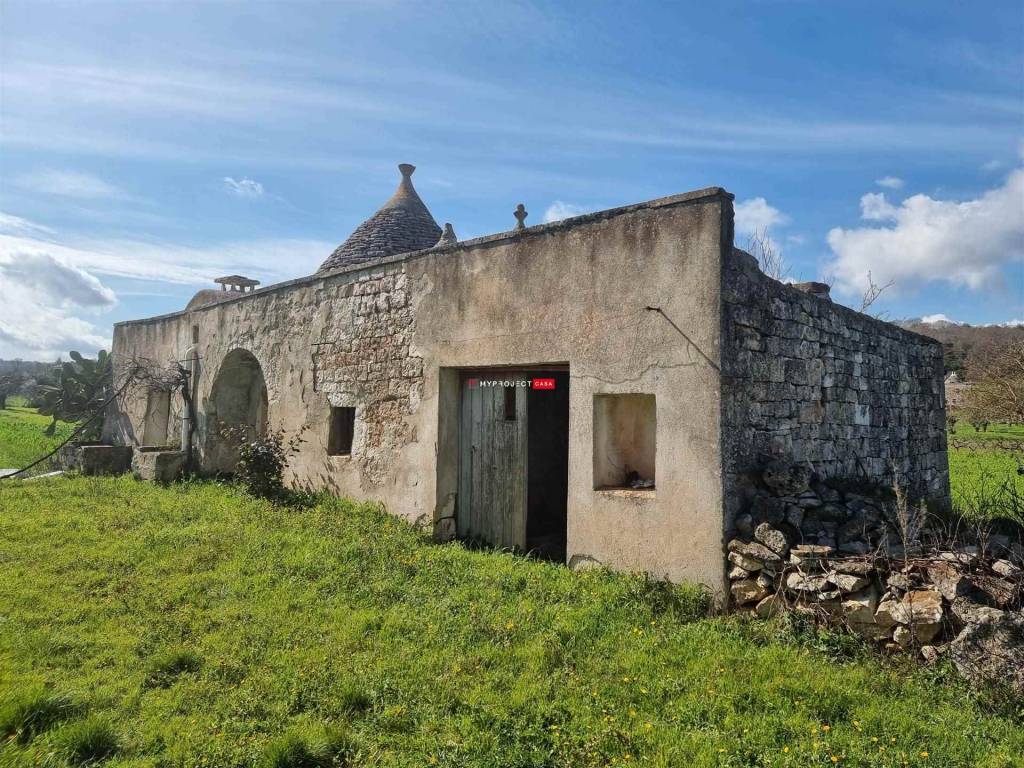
[[597, 389]]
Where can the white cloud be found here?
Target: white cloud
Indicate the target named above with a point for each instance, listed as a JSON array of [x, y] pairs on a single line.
[[961, 243], [31, 330], [559, 210], [11, 223], [48, 284], [61, 283], [755, 218], [756, 215], [890, 182], [243, 187], [874, 207], [992, 165], [38, 299], [267, 260], [796, 239], [69, 184], [939, 318]]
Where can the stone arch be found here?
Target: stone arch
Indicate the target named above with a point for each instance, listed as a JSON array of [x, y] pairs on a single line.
[[237, 406]]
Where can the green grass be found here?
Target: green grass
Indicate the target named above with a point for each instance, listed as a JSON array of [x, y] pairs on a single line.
[[194, 626], [983, 470], [22, 437], [965, 431]]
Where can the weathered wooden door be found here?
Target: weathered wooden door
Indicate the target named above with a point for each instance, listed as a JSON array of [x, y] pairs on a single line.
[[492, 463]]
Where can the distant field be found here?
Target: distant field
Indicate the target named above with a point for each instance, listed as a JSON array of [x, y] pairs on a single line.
[[965, 431], [21, 435], [984, 470]]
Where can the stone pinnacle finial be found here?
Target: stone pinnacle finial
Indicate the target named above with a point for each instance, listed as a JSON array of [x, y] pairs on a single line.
[[447, 237], [520, 214], [407, 170]]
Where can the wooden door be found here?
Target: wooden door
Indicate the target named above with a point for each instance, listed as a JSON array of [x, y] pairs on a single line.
[[492, 464]]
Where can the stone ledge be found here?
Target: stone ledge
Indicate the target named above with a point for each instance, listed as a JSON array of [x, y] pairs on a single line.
[[157, 465]]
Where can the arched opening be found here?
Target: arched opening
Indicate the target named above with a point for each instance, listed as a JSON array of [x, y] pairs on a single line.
[[236, 409]]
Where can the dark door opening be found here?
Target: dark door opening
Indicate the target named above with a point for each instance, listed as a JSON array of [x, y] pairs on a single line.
[[514, 460], [547, 486]]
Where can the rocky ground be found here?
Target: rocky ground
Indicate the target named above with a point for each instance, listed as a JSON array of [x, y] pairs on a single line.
[[867, 561]]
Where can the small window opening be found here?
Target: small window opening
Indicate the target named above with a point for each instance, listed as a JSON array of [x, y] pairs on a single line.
[[624, 441], [339, 439], [195, 334], [510, 403]]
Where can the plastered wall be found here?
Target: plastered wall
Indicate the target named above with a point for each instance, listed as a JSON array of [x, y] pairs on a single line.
[[628, 299]]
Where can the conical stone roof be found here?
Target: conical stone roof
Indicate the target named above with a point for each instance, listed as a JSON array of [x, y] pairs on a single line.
[[402, 224]]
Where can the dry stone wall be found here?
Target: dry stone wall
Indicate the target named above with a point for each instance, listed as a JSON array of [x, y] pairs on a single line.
[[819, 384]]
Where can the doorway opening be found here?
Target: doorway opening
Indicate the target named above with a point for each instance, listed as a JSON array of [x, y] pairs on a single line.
[[514, 459], [158, 416], [236, 410]]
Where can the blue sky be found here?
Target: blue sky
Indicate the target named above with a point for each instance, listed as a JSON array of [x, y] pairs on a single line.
[[146, 148]]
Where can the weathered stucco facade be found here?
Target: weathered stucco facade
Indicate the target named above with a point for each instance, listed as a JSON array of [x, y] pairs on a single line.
[[642, 300]]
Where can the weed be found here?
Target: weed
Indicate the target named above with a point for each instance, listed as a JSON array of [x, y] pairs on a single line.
[[164, 668], [681, 602], [329, 747], [28, 714], [352, 699], [87, 742], [802, 630]]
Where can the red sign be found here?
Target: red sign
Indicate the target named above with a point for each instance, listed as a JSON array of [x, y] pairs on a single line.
[[543, 384]]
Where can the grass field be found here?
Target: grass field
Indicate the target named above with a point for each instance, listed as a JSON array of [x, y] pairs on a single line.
[[198, 626], [22, 438], [983, 466], [194, 626]]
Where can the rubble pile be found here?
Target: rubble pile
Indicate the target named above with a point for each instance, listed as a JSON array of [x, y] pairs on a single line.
[[856, 560]]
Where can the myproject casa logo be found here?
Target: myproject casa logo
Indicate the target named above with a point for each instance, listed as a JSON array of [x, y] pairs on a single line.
[[538, 383]]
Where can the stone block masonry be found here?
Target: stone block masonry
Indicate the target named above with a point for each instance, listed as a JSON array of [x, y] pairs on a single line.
[[816, 383], [373, 368]]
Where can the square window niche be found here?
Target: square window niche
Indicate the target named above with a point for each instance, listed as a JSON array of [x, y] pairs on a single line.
[[341, 431], [624, 441]]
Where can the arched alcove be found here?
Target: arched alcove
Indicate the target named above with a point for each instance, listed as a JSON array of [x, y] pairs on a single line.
[[236, 409]]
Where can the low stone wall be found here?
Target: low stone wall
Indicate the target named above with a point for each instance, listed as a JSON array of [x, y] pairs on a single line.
[[95, 458], [867, 562]]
